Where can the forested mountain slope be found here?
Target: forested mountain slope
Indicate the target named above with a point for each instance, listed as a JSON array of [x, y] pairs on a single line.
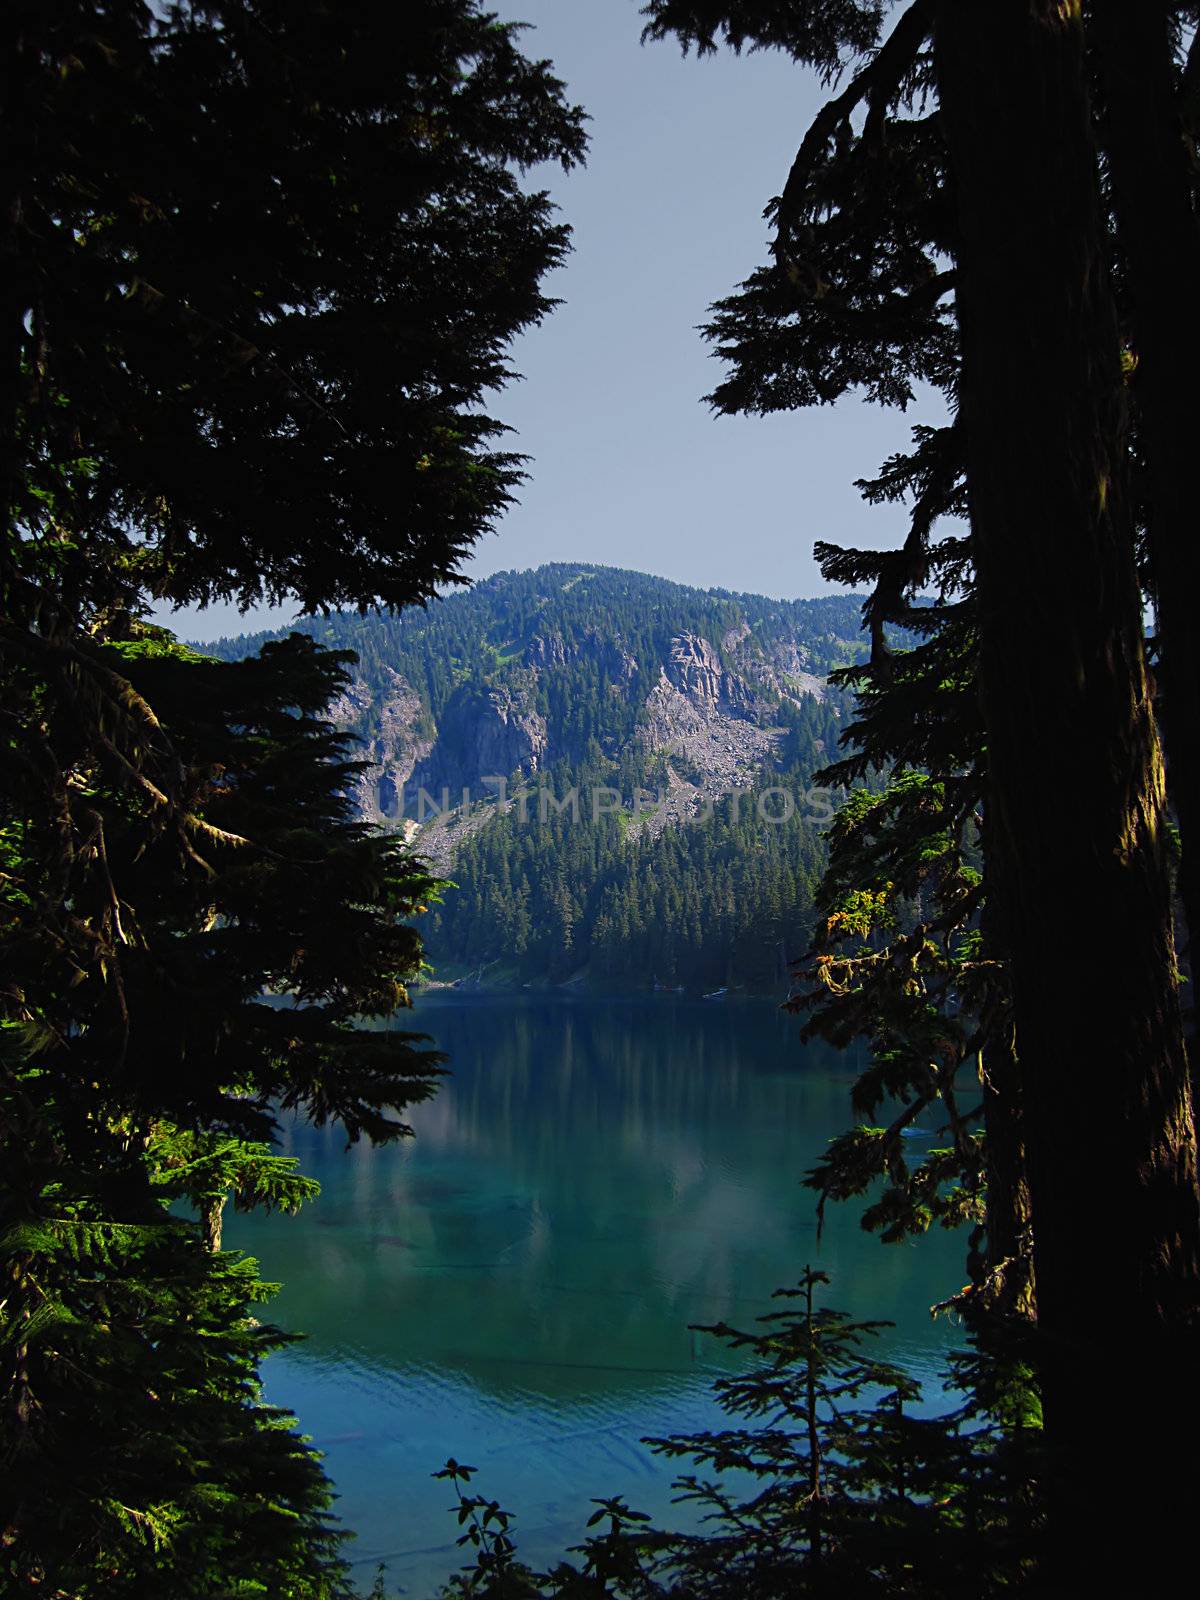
[[586, 753]]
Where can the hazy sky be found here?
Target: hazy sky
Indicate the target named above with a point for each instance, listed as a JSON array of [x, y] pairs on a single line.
[[629, 467]]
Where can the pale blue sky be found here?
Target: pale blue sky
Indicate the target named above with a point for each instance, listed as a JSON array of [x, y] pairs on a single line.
[[629, 468]]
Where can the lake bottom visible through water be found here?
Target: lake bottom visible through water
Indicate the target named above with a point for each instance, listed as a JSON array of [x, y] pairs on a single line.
[[515, 1286]]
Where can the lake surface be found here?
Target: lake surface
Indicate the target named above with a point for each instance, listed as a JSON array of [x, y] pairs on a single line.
[[514, 1286]]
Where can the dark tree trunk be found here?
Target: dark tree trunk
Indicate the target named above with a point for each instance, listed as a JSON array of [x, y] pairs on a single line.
[[1160, 243], [14, 299], [1010, 1276], [1076, 789], [1009, 1265]]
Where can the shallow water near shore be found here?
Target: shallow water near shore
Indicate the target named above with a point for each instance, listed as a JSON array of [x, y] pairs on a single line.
[[515, 1285]]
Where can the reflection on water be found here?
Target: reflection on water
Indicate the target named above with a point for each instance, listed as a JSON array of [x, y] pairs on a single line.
[[515, 1286]]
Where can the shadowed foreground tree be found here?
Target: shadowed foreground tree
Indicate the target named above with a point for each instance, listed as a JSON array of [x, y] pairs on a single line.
[[174, 989], [829, 1482], [261, 263], [1147, 95], [964, 157], [1076, 792]]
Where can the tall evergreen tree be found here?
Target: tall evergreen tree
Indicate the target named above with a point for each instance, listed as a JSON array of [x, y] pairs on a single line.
[[961, 159], [1147, 100], [1115, 1203], [261, 264]]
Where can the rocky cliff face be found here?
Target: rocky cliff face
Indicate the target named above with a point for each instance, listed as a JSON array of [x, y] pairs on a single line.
[[392, 753], [546, 651], [696, 670], [716, 722], [606, 676], [634, 675], [710, 722], [485, 731], [712, 730]]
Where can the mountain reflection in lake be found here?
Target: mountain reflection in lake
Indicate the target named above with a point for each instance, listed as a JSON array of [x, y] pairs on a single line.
[[515, 1285]]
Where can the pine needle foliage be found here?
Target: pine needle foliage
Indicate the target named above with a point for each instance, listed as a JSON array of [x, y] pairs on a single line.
[[920, 237], [832, 1480], [139, 1455], [262, 263]]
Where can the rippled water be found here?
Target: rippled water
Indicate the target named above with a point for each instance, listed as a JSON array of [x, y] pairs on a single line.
[[515, 1285]]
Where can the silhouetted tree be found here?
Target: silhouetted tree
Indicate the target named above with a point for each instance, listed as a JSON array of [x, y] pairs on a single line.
[[961, 159], [260, 265], [827, 1482]]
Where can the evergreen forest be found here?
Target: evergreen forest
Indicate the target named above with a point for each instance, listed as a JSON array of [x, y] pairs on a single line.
[[266, 267], [720, 897]]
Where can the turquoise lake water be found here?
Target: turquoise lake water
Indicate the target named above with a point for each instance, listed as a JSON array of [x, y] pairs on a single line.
[[514, 1286]]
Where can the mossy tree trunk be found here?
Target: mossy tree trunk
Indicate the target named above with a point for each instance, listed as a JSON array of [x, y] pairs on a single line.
[[1010, 1287], [1159, 240], [1076, 793]]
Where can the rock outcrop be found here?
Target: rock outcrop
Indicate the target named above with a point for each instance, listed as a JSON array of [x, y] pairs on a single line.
[[710, 706], [396, 737], [485, 731], [696, 670]]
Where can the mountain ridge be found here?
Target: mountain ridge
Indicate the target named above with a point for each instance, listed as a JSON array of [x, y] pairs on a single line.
[[696, 658], [480, 717]]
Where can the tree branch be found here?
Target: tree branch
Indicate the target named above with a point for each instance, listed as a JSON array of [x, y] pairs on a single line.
[[875, 83]]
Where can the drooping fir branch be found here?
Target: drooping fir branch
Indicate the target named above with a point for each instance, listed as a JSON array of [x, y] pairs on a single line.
[[292, 899], [820, 35], [208, 1170]]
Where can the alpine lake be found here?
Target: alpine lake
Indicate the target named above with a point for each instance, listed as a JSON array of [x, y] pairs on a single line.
[[516, 1286]]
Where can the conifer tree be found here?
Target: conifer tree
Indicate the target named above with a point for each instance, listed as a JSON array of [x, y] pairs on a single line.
[[960, 158], [261, 262], [1146, 95], [827, 1482], [139, 1455]]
